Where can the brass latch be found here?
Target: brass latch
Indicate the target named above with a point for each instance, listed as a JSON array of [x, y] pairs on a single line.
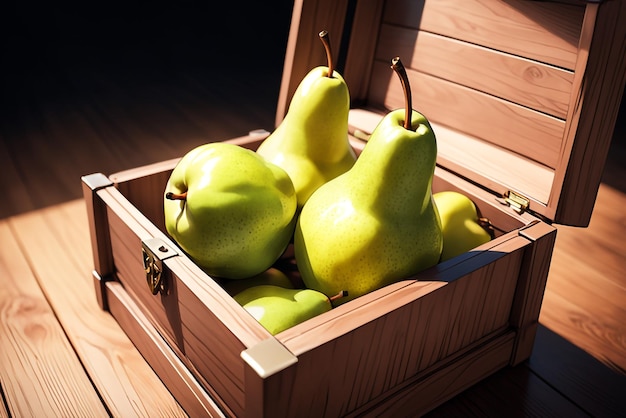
[[516, 201], [154, 251]]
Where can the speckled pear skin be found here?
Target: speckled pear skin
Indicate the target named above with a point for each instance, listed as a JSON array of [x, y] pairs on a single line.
[[377, 223], [459, 223], [278, 308], [239, 214], [311, 143]]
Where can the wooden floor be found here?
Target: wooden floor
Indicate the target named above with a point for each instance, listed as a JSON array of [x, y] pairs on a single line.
[[71, 107]]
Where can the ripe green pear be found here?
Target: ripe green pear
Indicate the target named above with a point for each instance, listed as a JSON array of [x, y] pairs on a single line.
[[311, 143], [460, 224], [231, 211], [376, 223], [271, 276], [278, 308]]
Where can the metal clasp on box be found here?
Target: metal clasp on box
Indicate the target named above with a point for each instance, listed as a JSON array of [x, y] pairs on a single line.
[[154, 251], [516, 201]]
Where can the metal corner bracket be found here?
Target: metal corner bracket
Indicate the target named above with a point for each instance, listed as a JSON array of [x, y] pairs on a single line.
[[154, 251]]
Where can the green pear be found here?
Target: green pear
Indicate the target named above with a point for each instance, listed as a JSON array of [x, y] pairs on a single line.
[[271, 276], [376, 223], [311, 143], [460, 224], [231, 211], [278, 308]]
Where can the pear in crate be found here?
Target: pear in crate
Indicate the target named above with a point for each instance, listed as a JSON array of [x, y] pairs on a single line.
[[311, 143], [278, 308], [377, 223], [231, 211], [461, 224]]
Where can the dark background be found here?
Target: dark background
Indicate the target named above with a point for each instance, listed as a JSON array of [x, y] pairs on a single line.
[[110, 35], [107, 86]]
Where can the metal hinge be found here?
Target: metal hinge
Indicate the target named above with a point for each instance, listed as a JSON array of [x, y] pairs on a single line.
[[154, 251], [516, 201]]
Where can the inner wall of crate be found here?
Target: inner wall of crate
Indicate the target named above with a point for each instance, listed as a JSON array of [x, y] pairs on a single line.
[[494, 78]]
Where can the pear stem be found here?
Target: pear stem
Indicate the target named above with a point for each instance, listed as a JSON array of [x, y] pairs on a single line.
[[324, 37], [339, 295], [176, 196], [398, 67]]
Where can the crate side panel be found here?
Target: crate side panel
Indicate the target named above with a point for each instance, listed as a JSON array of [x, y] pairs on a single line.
[[387, 350], [126, 237], [596, 100], [433, 388], [213, 349], [165, 362]]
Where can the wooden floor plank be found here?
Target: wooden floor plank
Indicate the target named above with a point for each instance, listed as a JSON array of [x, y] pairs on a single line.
[[126, 383], [512, 392], [40, 374], [586, 288], [597, 390]]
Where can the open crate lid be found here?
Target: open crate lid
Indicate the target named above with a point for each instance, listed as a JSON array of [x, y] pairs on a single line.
[[522, 95]]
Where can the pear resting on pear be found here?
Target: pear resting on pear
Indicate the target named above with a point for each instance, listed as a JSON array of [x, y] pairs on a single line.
[[311, 143]]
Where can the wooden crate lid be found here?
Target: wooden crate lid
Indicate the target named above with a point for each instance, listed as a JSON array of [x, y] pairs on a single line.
[[523, 95]]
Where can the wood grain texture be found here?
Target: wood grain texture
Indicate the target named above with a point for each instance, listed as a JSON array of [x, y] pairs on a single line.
[[166, 362], [40, 374], [587, 286], [215, 330], [533, 84], [421, 396], [133, 389], [542, 31]]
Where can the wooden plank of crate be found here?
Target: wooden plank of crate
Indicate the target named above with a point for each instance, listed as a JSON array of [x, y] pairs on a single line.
[[542, 31], [440, 383], [215, 331], [58, 244], [597, 94], [40, 374], [361, 48], [192, 396], [516, 79]]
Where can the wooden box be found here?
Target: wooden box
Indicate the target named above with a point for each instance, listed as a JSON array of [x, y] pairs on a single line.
[[523, 97]]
